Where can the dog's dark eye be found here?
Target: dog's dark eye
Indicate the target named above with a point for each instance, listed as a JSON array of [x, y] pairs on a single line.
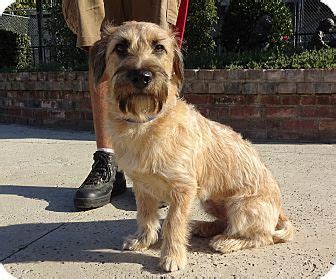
[[159, 48], [121, 48]]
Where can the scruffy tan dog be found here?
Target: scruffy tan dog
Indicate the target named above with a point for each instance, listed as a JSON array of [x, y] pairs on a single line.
[[174, 154]]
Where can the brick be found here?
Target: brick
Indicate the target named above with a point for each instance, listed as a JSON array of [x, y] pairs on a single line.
[[206, 74], [81, 75], [327, 136], [58, 114], [87, 115], [232, 88], [319, 111], [299, 124], [245, 112], [70, 76], [329, 75], [305, 87], [16, 111], [219, 113], [230, 100], [280, 112], [198, 99], [221, 75], [236, 75], [253, 75], [278, 135], [268, 88], [48, 104], [42, 76], [323, 88], [204, 111], [269, 99], [313, 75], [3, 77], [59, 76], [308, 100], [287, 88], [190, 74], [252, 99], [76, 86], [294, 75], [216, 87], [11, 76], [3, 85], [323, 100], [247, 124], [33, 76], [332, 100], [12, 94], [255, 134], [199, 87], [250, 88], [327, 124], [290, 100], [274, 75], [236, 124]]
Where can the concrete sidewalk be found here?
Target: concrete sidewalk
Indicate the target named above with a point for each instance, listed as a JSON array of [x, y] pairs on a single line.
[[41, 236]]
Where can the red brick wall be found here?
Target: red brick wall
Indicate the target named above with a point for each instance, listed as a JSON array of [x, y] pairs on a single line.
[[275, 105], [294, 105]]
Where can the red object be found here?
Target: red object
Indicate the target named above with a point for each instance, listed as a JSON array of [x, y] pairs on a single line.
[[181, 20]]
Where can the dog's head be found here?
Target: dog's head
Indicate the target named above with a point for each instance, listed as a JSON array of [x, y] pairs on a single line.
[[143, 64]]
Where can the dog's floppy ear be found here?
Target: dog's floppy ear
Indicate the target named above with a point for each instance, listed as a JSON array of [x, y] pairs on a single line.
[[178, 67], [97, 53]]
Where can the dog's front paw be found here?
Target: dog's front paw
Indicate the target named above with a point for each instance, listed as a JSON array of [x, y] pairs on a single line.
[[139, 242], [171, 263]]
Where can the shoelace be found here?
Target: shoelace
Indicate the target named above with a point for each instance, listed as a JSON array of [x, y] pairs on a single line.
[[100, 170]]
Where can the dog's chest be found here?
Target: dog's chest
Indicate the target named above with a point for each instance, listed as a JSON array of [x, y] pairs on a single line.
[[153, 185]]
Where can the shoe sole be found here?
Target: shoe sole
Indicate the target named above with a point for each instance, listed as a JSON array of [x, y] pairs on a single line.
[[82, 204]]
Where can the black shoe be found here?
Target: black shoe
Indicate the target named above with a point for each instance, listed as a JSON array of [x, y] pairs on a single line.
[[102, 183]]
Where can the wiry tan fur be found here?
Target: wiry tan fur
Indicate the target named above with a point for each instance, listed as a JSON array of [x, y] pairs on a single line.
[[180, 155]]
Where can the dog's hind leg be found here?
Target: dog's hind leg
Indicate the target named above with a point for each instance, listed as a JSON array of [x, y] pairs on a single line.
[[251, 222], [207, 228], [226, 244], [211, 228], [148, 222]]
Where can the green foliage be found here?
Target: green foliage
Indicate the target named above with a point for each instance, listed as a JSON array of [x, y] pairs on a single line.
[[20, 7], [199, 45], [15, 50], [241, 17], [285, 59], [63, 48]]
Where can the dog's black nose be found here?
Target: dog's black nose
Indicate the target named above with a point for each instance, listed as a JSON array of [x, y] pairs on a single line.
[[140, 78]]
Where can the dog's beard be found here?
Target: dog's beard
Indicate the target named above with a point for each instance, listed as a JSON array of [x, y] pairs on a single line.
[[141, 103]]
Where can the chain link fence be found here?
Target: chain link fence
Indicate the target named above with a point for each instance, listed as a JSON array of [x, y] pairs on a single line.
[[307, 15]]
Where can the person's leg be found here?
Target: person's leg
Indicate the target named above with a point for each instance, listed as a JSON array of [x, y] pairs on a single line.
[[85, 18], [99, 111]]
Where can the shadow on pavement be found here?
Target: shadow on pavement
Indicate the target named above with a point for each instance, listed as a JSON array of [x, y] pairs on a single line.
[[97, 242], [60, 199]]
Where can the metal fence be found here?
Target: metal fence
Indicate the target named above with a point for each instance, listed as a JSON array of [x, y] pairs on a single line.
[[29, 21], [306, 15]]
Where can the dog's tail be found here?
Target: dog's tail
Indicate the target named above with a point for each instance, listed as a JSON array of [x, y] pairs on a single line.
[[284, 230]]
